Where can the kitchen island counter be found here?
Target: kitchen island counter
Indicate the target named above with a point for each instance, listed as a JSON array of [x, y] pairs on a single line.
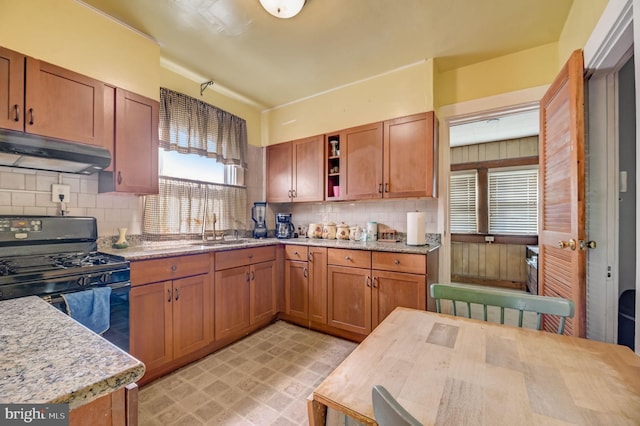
[[47, 357]]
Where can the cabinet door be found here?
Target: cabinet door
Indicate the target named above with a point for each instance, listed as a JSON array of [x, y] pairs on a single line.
[[296, 287], [192, 322], [318, 284], [394, 289], [151, 332], [263, 291], [279, 174], [308, 169], [231, 298], [349, 299], [11, 90], [136, 144], [63, 104], [361, 150], [409, 166]]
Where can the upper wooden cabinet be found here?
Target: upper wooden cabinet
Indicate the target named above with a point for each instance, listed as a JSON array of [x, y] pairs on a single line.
[[295, 171], [361, 153], [390, 159], [63, 104], [409, 168], [47, 100], [134, 120], [11, 89]]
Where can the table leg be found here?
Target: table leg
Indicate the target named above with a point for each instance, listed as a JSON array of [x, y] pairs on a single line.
[[317, 412]]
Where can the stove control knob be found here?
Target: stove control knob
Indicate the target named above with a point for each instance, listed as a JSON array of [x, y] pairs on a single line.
[[104, 278], [83, 281]]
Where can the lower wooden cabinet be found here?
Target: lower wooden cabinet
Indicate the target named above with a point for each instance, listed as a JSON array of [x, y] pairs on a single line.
[[171, 318], [360, 295], [306, 283], [245, 289]]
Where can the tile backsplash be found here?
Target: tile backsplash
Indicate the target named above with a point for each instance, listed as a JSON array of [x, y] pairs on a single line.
[[389, 213], [28, 192]]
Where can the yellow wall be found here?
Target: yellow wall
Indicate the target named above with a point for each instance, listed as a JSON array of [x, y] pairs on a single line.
[[521, 70], [582, 19], [402, 92], [253, 116], [73, 36]]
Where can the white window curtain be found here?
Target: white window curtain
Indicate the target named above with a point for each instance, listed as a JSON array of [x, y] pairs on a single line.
[[462, 203], [513, 202], [188, 125], [178, 210]]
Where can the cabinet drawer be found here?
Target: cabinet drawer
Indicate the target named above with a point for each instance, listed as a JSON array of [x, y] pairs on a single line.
[[400, 262], [292, 252], [352, 258], [168, 268], [241, 257]]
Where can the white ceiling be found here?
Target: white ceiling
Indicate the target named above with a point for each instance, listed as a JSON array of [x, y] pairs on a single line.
[[496, 128], [331, 43]]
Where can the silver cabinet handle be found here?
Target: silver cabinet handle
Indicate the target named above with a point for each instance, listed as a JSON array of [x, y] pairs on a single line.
[[168, 295], [305, 272], [17, 109], [177, 293], [347, 258], [397, 262], [375, 280], [248, 276], [310, 257], [368, 281], [31, 116]]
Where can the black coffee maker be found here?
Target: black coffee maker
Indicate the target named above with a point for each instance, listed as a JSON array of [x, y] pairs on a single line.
[[284, 227]]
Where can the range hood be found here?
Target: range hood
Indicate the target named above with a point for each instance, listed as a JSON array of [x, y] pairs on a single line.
[[28, 151]]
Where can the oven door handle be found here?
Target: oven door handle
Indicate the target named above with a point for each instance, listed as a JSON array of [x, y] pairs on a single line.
[[114, 286]]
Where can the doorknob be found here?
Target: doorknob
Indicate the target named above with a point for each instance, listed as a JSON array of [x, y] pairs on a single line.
[[564, 244], [587, 244]]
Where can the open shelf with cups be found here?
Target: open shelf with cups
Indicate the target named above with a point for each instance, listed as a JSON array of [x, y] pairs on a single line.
[[333, 166]]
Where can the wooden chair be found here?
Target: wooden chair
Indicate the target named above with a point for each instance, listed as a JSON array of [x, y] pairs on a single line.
[[472, 294], [388, 412]]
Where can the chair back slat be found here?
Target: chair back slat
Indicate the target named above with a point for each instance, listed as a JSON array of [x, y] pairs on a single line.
[[522, 302]]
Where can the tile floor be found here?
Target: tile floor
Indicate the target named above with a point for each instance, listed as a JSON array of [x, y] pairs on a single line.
[[264, 379]]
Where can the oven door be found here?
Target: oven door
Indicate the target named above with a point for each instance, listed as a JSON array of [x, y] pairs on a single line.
[[118, 332]]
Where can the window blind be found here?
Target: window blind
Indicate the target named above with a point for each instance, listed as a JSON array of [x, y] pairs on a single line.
[[513, 202], [462, 203]]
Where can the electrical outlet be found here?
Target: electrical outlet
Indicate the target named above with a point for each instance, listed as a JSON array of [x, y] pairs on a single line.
[[489, 238], [60, 190]]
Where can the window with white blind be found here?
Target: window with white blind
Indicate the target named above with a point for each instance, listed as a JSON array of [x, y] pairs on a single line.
[[513, 201], [462, 202]]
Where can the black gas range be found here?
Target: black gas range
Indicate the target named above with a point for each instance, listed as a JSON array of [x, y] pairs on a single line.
[[50, 255]]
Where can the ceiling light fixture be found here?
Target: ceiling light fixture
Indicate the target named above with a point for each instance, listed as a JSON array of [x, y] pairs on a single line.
[[283, 8]]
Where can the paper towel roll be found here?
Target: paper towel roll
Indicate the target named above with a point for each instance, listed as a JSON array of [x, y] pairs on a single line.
[[416, 228]]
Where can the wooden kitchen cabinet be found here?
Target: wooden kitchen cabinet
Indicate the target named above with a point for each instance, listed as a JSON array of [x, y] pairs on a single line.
[[170, 309], [306, 284], [410, 156], [244, 290], [11, 89], [364, 287], [63, 104], [361, 153], [134, 120], [391, 159], [44, 99], [295, 171]]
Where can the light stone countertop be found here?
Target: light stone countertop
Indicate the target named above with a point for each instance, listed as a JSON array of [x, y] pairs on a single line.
[[47, 357], [153, 250]]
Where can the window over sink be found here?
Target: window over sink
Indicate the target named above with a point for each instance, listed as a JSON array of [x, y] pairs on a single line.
[[202, 162]]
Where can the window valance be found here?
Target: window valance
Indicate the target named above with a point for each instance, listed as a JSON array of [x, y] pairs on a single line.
[[188, 125]]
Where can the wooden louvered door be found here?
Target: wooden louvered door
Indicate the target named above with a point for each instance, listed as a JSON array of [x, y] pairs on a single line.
[[562, 269]]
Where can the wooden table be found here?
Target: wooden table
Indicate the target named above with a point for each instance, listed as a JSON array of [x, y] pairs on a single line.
[[454, 371]]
